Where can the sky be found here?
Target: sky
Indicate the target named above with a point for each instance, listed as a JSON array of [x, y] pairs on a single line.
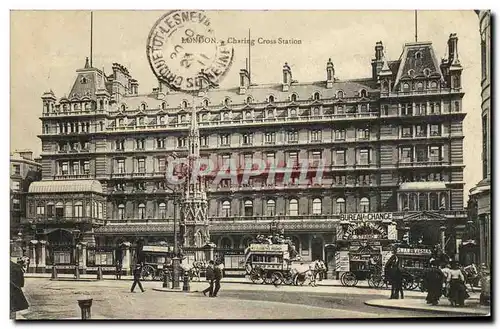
[[47, 47]]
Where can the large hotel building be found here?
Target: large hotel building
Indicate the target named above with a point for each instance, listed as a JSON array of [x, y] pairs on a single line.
[[390, 148]]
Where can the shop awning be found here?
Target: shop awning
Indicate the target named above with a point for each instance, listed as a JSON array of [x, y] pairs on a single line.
[[75, 186], [422, 186]]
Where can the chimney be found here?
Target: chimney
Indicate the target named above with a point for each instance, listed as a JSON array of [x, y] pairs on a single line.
[[244, 81], [378, 61], [287, 77], [453, 50], [330, 74]]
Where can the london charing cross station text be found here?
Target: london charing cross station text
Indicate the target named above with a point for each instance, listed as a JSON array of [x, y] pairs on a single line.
[[232, 40]]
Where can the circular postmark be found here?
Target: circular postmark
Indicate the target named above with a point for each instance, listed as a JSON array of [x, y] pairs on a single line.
[[181, 45]]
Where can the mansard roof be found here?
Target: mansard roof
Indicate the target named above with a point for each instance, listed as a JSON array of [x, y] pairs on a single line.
[[416, 59]]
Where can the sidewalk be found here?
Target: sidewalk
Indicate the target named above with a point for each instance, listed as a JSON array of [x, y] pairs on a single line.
[[472, 306]]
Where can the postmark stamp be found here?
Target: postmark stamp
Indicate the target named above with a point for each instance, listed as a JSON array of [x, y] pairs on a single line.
[[177, 62]]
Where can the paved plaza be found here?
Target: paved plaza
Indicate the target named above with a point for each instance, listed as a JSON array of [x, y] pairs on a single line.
[[112, 299]]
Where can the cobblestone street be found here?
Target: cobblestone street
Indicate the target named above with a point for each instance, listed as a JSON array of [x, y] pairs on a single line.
[[113, 300]]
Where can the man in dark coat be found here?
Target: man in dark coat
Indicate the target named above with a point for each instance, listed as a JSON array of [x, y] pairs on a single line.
[[433, 282], [394, 275], [210, 275], [17, 300], [217, 277], [137, 278]]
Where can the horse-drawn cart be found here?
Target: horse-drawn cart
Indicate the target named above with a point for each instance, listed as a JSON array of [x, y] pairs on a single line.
[[268, 263]]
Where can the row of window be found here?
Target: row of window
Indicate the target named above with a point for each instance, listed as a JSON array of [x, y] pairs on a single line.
[[68, 210], [423, 201], [421, 153], [81, 167], [421, 130]]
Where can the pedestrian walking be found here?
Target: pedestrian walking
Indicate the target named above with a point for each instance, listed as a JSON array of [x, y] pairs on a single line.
[[217, 276], [456, 281], [18, 301], [394, 275], [433, 282], [210, 276], [137, 278], [118, 272]]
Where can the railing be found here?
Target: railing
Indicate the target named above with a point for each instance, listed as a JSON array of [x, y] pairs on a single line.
[[426, 163], [71, 176], [47, 219], [436, 91], [62, 113], [447, 213]]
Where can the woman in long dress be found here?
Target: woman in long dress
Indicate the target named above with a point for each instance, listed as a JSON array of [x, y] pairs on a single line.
[[456, 281]]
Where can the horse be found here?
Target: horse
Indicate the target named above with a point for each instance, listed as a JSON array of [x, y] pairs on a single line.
[[307, 271]]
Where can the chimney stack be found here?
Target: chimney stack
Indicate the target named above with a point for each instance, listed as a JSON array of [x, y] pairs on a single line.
[[378, 61], [453, 50], [287, 77], [330, 74], [244, 81]]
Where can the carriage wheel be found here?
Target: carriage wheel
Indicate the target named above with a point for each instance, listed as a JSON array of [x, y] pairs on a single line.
[[148, 272], [342, 277], [375, 281], [268, 278], [277, 278], [159, 275], [300, 279], [256, 275], [350, 279]]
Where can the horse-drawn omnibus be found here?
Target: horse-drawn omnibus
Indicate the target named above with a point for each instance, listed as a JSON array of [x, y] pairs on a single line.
[[157, 260]]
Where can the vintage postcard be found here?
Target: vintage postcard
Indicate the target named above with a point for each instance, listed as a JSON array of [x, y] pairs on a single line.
[[201, 164]]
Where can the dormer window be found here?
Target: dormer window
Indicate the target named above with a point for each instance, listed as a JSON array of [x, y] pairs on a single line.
[[420, 86], [427, 72], [225, 116], [205, 102], [204, 117], [183, 118], [270, 114], [340, 94], [227, 101], [363, 93], [141, 121], [248, 115], [162, 120], [293, 112], [418, 55], [411, 73], [143, 107], [123, 107], [83, 80], [293, 98], [271, 99], [316, 96], [163, 106], [406, 87], [249, 100], [184, 104], [120, 122]]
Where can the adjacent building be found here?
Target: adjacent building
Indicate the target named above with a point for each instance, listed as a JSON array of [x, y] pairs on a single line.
[[480, 195], [388, 149], [24, 170]]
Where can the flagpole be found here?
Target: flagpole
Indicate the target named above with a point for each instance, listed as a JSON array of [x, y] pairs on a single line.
[[416, 27], [91, 31]]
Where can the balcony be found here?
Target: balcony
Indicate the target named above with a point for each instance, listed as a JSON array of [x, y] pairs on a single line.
[[73, 176], [121, 175], [74, 113], [61, 220], [423, 163], [450, 214]]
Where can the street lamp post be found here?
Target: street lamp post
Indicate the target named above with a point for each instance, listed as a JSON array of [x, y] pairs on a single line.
[[76, 235], [175, 259]]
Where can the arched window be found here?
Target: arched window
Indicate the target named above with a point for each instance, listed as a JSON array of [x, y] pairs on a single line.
[[363, 93], [184, 104], [315, 111], [163, 106], [271, 99], [78, 209], [418, 55], [68, 210], [443, 201], [420, 86], [226, 209], [271, 207], [59, 210], [183, 118], [141, 121], [162, 120], [270, 114], [403, 202], [434, 85], [293, 207], [227, 101], [427, 72], [316, 96], [422, 202], [293, 112], [293, 98], [340, 94], [413, 202], [226, 116], [248, 115], [434, 201], [142, 211], [205, 102], [120, 122], [121, 211], [162, 210], [123, 107], [364, 204], [406, 87], [317, 207], [248, 208], [249, 100], [204, 117], [341, 207], [225, 242], [143, 107]]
